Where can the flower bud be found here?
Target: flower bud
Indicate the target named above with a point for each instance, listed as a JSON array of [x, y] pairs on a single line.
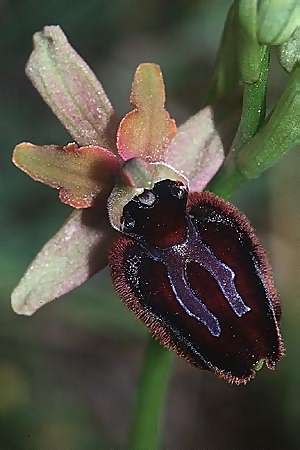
[[289, 52], [262, 23], [277, 20]]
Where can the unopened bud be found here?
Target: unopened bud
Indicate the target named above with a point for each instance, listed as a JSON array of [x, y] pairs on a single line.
[[289, 52]]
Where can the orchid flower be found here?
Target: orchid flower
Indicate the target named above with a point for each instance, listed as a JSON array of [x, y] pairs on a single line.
[[186, 262]]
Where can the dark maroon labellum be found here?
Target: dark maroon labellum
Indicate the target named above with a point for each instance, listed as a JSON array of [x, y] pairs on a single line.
[[193, 270]]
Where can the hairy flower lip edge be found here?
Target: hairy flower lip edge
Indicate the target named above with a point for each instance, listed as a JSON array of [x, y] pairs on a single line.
[[156, 327]]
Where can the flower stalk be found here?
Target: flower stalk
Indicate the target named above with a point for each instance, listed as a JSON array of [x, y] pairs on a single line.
[[151, 396]]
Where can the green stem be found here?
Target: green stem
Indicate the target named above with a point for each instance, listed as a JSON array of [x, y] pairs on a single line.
[[152, 389], [253, 114], [250, 51]]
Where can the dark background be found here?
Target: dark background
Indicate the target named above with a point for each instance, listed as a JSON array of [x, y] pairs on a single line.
[[68, 374]]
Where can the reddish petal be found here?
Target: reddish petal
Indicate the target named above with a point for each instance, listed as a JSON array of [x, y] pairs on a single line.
[[84, 175], [147, 130]]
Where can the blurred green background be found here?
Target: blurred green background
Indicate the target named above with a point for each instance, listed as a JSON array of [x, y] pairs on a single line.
[[68, 375]]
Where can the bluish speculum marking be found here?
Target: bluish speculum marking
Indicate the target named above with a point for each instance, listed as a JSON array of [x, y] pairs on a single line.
[[160, 217], [176, 259]]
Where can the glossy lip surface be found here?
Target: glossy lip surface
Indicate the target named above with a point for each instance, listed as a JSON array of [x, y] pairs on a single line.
[[201, 283]]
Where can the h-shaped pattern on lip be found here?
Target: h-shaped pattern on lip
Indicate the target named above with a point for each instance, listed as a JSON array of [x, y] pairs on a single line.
[[176, 258]]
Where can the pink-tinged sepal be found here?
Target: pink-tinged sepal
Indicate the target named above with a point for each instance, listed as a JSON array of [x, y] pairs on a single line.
[[76, 252], [146, 131], [71, 89], [192, 269], [197, 150]]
